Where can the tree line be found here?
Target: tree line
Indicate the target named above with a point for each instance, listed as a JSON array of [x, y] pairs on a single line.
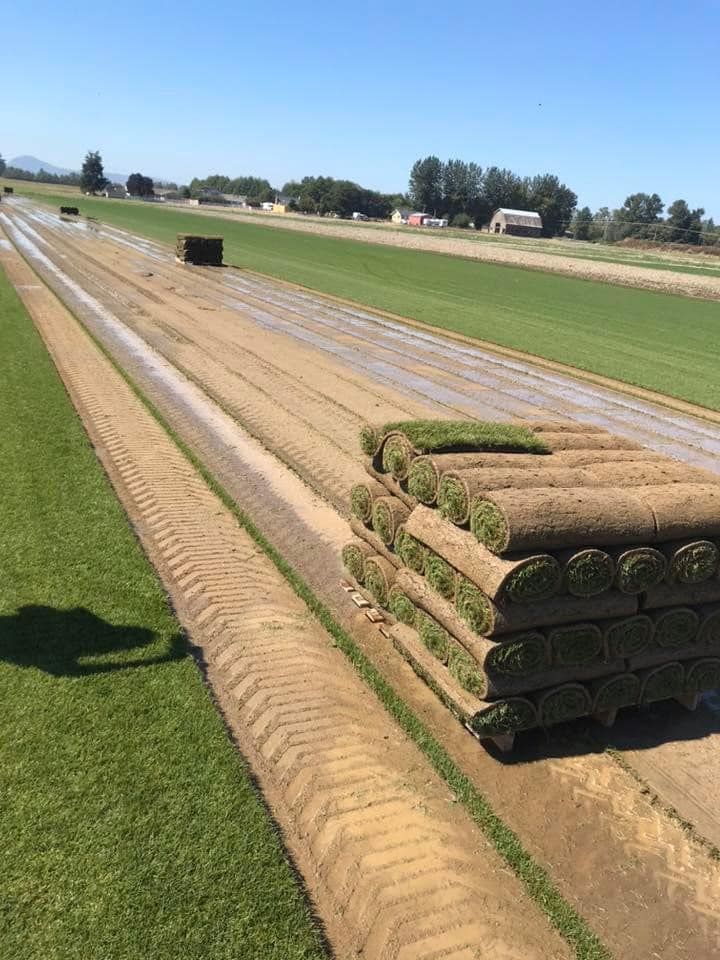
[[640, 218], [463, 193]]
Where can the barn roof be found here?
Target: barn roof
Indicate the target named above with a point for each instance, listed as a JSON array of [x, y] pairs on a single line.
[[522, 218]]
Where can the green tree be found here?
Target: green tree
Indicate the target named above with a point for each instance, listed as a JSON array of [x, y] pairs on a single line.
[[583, 223], [92, 175], [307, 203], [139, 186], [554, 201], [639, 215], [461, 220], [3, 165], [426, 184], [684, 225], [461, 186], [500, 188]]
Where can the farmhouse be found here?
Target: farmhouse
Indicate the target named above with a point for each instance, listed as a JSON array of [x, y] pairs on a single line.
[[116, 190], [517, 223], [400, 216]]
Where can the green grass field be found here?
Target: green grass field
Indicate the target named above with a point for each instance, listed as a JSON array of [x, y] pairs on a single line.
[[654, 340], [130, 827]]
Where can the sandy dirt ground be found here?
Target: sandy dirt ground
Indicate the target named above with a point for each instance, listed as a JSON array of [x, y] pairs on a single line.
[[625, 274], [301, 373]]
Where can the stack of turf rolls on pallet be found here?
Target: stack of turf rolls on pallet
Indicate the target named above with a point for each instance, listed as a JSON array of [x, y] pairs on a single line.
[[70, 211], [539, 572], [206, 251]]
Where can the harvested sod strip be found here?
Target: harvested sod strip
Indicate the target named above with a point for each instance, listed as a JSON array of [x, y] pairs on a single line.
[[679, 594], [701, 675], [709, 630], [638, 568], [586, 573], [575, 645], [676, 627], [392, 486], [388, 513], [691, 561], [627, 636], [412, 553], [613, 693], [639, 473], [131, 826], [362, 497], [523, 579], [558, 442], [682, 509], [354, 555], [567, 702], [662, 683], [458, 488], [547, 519], [401, 606], [428, 435], [371, 538], [378, 578], [440, 576]]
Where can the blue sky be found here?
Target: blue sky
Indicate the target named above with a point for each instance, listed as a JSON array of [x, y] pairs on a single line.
[[613, 97]]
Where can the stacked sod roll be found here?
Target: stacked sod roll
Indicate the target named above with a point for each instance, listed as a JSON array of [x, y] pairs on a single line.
[[202, 251], [542, 571], [69, 211]]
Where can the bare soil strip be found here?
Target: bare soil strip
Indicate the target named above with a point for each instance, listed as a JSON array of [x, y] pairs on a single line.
[[582, 817], [396, 869]]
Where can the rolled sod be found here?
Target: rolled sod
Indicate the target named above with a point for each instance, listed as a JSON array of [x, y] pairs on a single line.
[[691, 561], [575, 644], [412, 553], [639, 473], [474, 608], [363, 533], [547, 518], [401, 606], [397, 454], [354, 555], [681, 594], [662, 682], [523, 579], [675, 627], [508, 716], [709, 631], [587, 458], [388, 514], [440, 576], [378, 578], [392, 486], [702, 675], [434, 637], [458, 488], [362, 497], [612, 693], [682, 510], [638, 568], [586, 573], [563, 703], [466, 671], [627, 636], [556, 442]]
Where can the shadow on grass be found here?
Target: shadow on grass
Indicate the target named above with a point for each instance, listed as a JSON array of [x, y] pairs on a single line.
[[76, 643]]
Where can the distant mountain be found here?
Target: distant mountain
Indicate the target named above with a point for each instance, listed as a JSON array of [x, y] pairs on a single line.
[[33, 165]]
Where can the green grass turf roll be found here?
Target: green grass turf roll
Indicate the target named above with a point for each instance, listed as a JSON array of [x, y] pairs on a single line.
[[627, 636], [613, 693], [691, 561], [466, 670], [702, 675], [369, 536], [681, 594], [379, 576], [354, 555], [362, 496], [575, 644], [423, 480], [588, 572], [567, 702], [510, 715], [675, 626], [519, 656], [682, 510], [473, 607], [638, 568], [555, 518], [433, 636], [388, 514], [401, 606], [662, 682], [524, 578], [412, 553], [709, 631], [440, 575], [392, 486]]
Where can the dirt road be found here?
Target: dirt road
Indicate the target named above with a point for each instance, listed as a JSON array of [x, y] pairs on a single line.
[[301, 373]]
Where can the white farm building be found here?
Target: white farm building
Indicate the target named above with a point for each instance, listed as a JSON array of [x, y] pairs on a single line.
[[517, 223]]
